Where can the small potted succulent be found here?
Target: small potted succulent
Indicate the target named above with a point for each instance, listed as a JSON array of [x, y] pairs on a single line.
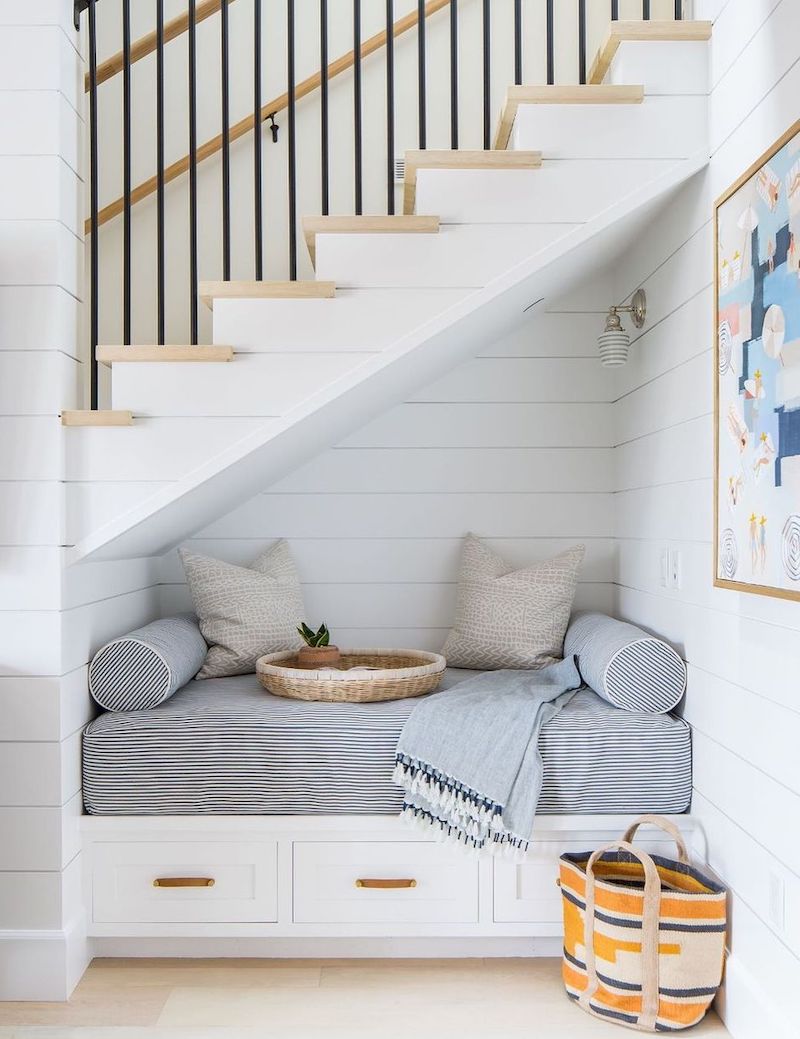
[[317, 651]]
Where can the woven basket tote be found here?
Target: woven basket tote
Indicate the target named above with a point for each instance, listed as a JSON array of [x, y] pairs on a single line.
[[644, 935]]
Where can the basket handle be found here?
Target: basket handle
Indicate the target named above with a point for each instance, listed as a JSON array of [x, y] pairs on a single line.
[[651, 906], [662, 824]]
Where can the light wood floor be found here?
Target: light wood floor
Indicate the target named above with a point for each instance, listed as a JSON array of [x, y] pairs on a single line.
[[316, 999]]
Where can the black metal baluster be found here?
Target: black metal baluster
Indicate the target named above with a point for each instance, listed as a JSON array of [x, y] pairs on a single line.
[[390, 107], [581, 41], [614, 10], [550, 32], [678, 10], [257, 143], [454, 74], [292, 145], [357, 157], [323, 105], [487, 74], [93, 203], [226, 144], [193, 270], [161, 264], [646, 9], [422, 117], [126, 172], [517, 41]]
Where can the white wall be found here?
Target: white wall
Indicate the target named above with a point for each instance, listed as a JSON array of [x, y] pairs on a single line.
[[743, 651], [51, 620], [515, 445]]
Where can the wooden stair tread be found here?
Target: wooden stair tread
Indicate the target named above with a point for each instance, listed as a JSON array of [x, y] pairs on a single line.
[[96, 418], [162, 354], [314, 225], [461, 160], [644, 32], [585, 94], [211, 290]]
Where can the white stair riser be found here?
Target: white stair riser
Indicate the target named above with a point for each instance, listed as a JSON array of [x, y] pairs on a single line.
[[660, 127], [460, 255], [357, 321], [253, 384], [571, 191], [152, 448], [654, 64]]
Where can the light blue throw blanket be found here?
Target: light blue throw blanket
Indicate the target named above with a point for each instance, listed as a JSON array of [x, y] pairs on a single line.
[[468, 758]]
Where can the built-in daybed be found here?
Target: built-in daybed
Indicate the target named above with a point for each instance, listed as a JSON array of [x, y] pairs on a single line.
[[289, 809], [224, 818]]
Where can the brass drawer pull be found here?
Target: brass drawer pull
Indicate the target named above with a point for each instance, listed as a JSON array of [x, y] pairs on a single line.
[[183, 882], [385, 884]]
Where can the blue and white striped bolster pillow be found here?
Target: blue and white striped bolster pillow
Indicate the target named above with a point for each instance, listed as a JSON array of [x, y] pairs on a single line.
[[624, 665], [144, 668]]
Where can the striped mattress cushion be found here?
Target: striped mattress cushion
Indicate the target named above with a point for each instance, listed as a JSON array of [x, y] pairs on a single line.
[[624, 665], [142, 669], [226, 746]]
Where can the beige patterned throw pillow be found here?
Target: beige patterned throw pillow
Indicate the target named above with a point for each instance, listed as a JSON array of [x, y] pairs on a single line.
[[244, 612], [511, 618]]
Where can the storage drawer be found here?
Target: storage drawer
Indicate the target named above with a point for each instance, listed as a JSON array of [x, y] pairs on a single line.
[[391, 882], [528, 892], [169, 882]]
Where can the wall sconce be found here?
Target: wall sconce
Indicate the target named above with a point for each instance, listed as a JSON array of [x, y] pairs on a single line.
[[615, 342]]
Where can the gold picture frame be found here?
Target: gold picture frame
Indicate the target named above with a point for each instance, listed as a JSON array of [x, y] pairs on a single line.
[[757, 513]]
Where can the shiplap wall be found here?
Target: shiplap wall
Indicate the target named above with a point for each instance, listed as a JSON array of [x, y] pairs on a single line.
[[51, 619], [514, 445], [743, 651]]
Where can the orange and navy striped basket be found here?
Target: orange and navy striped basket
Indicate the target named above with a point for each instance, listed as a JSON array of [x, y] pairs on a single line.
[[644, 935]]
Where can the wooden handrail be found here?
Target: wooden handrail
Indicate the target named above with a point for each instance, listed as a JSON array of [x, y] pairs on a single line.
[[278, 104], [147, 44]]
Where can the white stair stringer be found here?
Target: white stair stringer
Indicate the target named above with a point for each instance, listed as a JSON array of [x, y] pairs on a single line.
[[378, 380]]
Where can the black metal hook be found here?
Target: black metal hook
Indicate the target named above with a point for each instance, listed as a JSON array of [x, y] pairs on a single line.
[[78, 8], [273, 127]]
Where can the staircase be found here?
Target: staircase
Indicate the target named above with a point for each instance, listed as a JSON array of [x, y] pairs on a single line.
[[397, 300]]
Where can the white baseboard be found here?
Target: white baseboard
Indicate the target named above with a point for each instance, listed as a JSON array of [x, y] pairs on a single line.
[[746, 1010], [326, 948], [43, 965]]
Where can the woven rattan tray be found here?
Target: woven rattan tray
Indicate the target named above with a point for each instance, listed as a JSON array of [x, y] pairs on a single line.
[[399, 673]]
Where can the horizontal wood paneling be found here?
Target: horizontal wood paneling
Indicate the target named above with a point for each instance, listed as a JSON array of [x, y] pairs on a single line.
[[40, 253], [30, 447], [441, 470], [682, 393], [378, 560], [40, 838], [415, 515], [40, 57], [40, 187], [30, 513], [521, 380], [680, 511], [40, 123], [38, 382], [42, 709], [39, 317], [677, 454], [489, 425]]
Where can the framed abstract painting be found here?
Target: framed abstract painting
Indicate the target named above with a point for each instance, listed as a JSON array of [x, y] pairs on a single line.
[[757, 376]]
